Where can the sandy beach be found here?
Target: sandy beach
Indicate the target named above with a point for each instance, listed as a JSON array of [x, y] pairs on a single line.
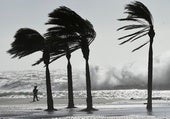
[[112, 109]]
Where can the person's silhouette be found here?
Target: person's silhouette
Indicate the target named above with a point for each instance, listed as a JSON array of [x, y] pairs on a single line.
[[35, 93]]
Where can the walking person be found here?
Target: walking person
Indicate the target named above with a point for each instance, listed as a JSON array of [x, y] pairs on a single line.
[[35, 93]]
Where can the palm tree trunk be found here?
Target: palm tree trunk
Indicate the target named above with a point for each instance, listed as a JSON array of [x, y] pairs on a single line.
[[70, 82], [88, 87], [86, 51], [150, 68], [50, 106]]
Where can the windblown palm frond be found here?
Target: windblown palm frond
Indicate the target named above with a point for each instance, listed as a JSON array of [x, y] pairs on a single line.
[[27, 41], [55, 48], [68, 23], [140, 14], [69, 29], [90, 33]]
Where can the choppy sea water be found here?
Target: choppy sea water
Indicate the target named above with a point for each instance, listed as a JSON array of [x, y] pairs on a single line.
[[19, 84]]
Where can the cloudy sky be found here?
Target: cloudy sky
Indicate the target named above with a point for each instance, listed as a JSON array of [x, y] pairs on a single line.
[[103, 14]]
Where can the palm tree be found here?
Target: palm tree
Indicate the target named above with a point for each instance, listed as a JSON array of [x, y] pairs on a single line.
[[76, 33], [63, 39], [28, 41], [140, 14], [88, 35]]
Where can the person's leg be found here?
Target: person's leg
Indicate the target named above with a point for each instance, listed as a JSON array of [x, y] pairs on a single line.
[[37, 98], [34, 98]]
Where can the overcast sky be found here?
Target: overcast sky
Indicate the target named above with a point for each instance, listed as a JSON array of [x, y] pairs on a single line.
[[103, 14]]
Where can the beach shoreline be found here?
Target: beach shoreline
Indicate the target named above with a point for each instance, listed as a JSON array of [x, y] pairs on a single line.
[[121, 109]]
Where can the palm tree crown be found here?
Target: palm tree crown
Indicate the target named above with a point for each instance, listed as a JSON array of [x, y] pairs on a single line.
[[139, 13], [70, 27], [27, 41]]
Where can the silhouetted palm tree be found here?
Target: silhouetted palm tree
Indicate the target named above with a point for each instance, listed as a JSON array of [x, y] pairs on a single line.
[[62, 34], [140, 14], [87, 36], [76, 33], [28, 41]]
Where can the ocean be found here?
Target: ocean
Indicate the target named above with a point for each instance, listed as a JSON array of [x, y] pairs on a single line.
[[19, 84]]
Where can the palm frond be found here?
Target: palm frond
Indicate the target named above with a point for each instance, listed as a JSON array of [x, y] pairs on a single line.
[[69, 22], [129, 27], [69, 29], [137, 10], [139, 37], [38, 62], [129, 39], [133, 34], [140, 46], [27, 41], [57, 56], [133, 19], [138, 13]]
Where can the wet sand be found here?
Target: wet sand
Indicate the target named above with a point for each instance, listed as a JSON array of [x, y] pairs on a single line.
[[107, 109]]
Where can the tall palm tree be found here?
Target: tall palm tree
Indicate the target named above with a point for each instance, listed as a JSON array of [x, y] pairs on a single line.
[[140, 14], [76, 33], [88, 35], [62, 36], [28, 41]]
